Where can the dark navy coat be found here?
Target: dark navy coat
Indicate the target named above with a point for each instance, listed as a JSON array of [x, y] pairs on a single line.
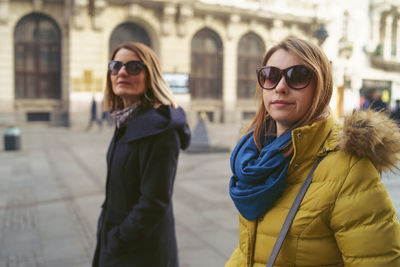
[[136, 225]]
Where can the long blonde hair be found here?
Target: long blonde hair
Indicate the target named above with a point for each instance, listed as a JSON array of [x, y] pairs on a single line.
[[312, 57], [157, 92]]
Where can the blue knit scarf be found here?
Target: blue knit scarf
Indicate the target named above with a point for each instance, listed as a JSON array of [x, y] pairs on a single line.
[[258, 177]]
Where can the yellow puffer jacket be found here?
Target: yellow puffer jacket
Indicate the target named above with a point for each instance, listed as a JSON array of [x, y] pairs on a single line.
[[346, 217]]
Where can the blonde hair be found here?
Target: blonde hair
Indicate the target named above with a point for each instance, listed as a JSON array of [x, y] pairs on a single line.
[[313, 58], [157, 92]]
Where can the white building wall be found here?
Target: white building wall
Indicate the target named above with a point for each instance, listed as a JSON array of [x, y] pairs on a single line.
[[87, 70], [85, 46]]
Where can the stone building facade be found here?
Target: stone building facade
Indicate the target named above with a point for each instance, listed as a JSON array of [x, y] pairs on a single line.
[[55, 52]]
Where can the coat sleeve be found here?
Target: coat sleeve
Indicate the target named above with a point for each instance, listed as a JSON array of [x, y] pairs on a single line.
[[158, 164], [364, 221]]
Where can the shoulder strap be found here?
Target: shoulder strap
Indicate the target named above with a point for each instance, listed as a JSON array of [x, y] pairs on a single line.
[[290, 216]]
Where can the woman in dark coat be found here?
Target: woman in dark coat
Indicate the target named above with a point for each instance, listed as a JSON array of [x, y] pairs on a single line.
[[136, 224]]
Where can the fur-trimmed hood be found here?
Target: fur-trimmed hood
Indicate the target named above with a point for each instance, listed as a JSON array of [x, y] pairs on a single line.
[[373, 135]]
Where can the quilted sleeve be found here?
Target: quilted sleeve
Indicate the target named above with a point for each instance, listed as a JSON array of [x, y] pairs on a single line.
[[366, 227]]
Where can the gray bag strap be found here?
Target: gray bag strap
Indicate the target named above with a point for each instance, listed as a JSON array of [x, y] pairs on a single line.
[[290, 216]]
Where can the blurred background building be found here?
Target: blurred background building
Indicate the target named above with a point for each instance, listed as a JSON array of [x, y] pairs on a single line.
[[54, 53]]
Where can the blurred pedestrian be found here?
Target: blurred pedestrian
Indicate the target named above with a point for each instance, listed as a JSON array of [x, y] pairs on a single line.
[[346, 217], [136, 224], [367, 100], [105, 116], [377, 103], [93, 115], [396, 112]]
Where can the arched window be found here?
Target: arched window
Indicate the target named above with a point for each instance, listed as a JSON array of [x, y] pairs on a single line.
[[250, 54], [206, 66], [37, 58], [128, 32]]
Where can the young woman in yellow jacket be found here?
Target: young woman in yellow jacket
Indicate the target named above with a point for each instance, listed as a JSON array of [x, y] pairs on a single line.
[[346, 217]]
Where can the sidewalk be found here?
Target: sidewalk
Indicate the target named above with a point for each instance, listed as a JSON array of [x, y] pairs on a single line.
[[51, 192]]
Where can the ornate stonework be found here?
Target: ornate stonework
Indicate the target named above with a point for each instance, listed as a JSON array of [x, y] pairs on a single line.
[[201, 39]]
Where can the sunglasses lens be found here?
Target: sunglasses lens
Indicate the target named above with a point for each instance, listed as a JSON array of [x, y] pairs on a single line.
[[114, 67], [134, 67], [269, 77], [298, 77]]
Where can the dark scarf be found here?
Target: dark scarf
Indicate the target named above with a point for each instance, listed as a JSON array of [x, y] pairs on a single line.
[[258, 177], [123, 115]]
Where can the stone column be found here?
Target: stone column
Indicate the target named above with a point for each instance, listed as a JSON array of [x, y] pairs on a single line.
[[67, 14], [4, 9], [397, 38], [375, 28], [387, 41], [393, 39], [229, 94], [234, 19]]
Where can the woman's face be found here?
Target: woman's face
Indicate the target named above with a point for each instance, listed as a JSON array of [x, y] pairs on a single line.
[[284, 104], [128, 87]]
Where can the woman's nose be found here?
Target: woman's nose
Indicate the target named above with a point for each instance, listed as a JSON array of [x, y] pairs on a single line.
[[122, 71], [282, 87]]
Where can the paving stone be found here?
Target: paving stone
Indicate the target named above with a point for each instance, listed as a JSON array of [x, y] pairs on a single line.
[[16, 242], [66, 249], [51, 192], [54, 221], [201, 257], [70, 262]]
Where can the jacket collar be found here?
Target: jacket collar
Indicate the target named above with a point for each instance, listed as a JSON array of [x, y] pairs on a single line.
[[150, 121], [315, 139], [146, 122], [373, 135], [366, 134]]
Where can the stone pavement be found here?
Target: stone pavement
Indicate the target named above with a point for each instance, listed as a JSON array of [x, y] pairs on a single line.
[[51, 191]]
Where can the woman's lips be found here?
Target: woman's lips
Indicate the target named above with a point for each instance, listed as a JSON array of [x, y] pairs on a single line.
[[280, 103], [122, 83]]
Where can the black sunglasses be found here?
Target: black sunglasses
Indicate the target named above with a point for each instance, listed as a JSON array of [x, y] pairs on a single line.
[[133, 67], [297, 77]]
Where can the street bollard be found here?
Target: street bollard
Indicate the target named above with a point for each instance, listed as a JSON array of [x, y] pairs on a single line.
[[12, 139]]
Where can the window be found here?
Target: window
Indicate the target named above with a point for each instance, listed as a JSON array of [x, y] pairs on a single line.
[[37, 58], [250, 54], [206, 66], [128, 32]]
